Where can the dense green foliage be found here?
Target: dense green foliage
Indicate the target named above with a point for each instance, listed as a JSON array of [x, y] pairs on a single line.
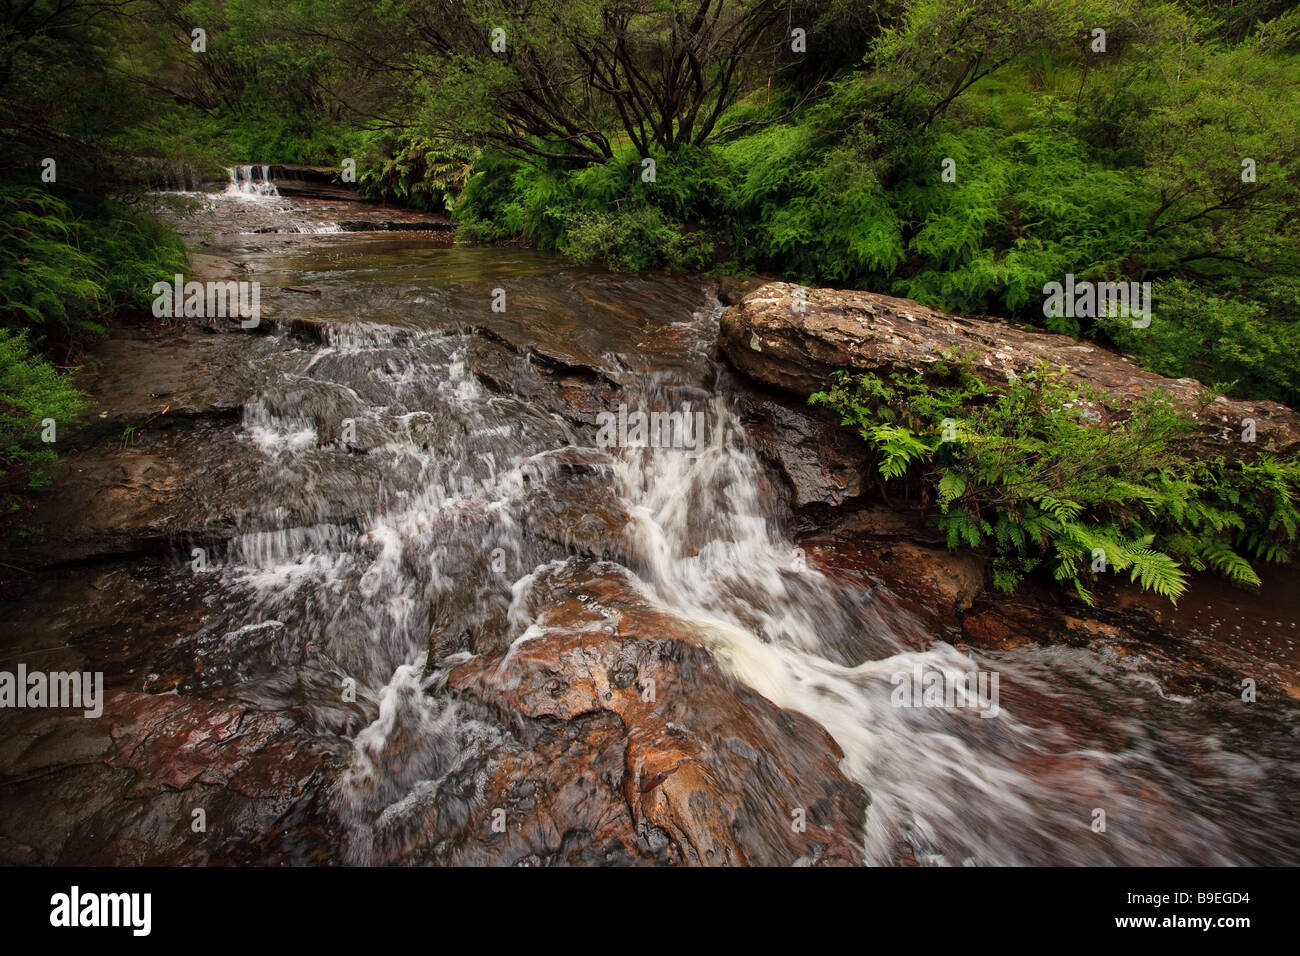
[[1124, 166], [1027, 474], [72, 250], [602, 212], [419, 171], [63, 274], [32, 394], [62, 271]]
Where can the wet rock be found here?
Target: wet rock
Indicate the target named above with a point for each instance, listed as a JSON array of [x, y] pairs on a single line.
[[156, 382], [368, 225], [823, 463], [122, 788], [675, 762], [794, 339], [168, 491], [581, 515], [393, 225], [732, 289], [897, 549], [576, 395], [310, 182], [1217, 636]]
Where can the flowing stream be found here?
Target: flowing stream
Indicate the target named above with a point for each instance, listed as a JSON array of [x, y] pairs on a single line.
[[398, 463]]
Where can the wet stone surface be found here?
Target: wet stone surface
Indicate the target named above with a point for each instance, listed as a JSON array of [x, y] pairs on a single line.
[[364, 587]]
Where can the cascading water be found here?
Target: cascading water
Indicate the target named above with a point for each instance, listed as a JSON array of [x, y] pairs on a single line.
[[401, 456], [961, 788], [251, 181], [254, 183]]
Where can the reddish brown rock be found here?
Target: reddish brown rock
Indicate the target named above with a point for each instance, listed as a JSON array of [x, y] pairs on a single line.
[[896, 547], [64, 779], [648, 748]]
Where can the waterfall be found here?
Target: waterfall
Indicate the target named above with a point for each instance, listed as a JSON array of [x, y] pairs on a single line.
[[252, 181], [959, 788]]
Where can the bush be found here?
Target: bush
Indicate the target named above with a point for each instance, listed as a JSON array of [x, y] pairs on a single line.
[[639, 239], [602, 213], [1239, 344], [419, 171], [31, 391], [63, 272], [1021, 474]]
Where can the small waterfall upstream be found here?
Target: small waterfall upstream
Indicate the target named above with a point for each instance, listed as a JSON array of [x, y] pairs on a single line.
[[251, 181], [255, 185]]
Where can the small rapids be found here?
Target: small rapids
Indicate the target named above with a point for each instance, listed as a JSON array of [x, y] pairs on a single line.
[[999, 788], [406, 462]]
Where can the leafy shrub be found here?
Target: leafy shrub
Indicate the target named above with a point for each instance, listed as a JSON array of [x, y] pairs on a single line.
[[1026, 209], [61, 273], [602, 213], [31, 390], [639, 239], [1022, 474], [416, 170], [1238, 343]]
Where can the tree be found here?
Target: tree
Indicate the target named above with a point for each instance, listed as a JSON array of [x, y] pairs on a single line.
[[551, 80]]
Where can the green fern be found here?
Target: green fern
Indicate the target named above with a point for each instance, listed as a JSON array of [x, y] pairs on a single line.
[[1041, 490]]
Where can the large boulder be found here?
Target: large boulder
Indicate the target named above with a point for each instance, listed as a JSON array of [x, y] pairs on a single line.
[[794, 339], [641, 749]]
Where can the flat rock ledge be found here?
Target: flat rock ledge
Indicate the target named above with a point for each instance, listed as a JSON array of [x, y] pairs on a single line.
[[794, 339]]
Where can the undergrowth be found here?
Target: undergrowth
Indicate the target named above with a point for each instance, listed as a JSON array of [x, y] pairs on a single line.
[[1035, 476]]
